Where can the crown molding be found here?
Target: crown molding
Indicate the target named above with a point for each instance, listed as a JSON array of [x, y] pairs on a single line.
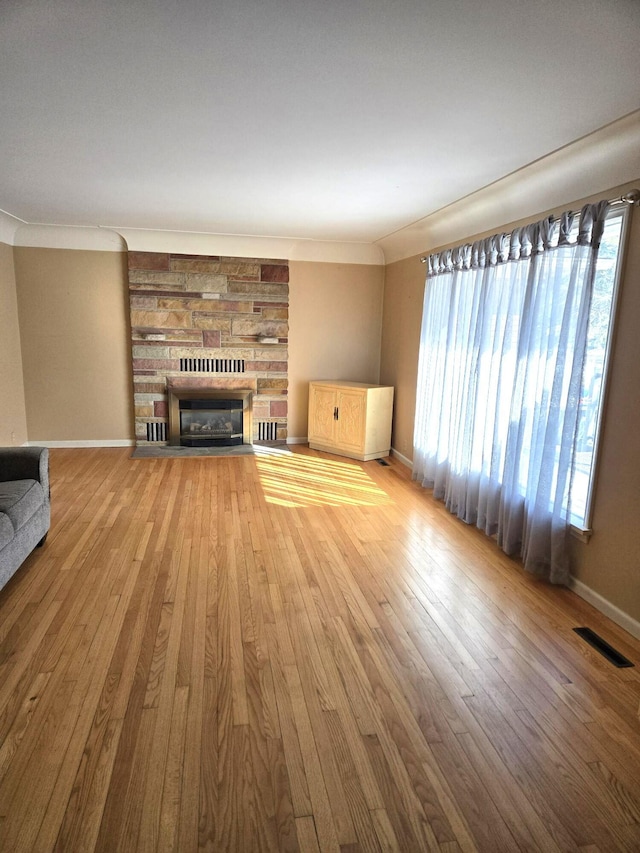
[[8, 226], [247, 246], [69, 237], [609, 157], [114, 239]]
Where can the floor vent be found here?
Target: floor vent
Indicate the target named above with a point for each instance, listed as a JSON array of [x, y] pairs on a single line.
[[267, 431], [212, 365], [383, 462], [157, 431], [600, 645]]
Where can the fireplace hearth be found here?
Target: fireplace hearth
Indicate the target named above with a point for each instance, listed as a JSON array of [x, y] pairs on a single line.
[[204, 418]]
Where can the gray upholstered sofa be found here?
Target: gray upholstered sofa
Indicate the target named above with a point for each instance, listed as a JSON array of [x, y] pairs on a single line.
[[24, 505]]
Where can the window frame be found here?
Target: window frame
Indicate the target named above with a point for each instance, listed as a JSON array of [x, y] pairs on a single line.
[[584, 530]]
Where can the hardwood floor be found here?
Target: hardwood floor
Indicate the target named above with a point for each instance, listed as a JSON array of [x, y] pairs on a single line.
[[297, 652]]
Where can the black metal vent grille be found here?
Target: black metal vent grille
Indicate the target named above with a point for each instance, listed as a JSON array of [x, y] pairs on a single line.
[[267, 431], [157, 431], [212, 365], [612, 655]]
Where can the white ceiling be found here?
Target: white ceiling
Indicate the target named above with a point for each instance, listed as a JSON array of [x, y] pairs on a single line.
[[325, 119]]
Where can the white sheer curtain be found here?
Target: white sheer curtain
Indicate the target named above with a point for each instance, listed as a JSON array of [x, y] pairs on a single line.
[[503, 339]]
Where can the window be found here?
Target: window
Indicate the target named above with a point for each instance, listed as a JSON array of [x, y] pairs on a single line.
[[513, 359], [599, 335]]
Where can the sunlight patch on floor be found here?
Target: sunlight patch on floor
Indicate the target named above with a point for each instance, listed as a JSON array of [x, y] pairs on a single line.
[[294, 480]]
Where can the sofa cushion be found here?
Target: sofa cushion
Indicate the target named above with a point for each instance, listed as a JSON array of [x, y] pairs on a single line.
[[6, 530], [19, 500]]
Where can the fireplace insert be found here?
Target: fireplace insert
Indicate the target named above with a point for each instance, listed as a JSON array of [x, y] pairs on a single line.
[[208, 423], [210, 418]]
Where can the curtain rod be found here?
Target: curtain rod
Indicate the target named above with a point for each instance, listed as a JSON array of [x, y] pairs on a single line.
[[632, 198]]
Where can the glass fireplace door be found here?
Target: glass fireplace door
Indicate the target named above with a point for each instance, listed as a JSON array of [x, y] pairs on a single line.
[[210, 423]]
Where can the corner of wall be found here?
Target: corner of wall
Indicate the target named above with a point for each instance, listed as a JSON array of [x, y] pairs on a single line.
[[13, 426]]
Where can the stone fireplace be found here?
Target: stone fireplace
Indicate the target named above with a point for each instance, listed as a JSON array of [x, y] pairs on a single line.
[[203, 325]]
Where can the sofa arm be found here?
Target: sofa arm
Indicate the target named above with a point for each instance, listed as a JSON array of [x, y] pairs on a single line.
[[25, 463]]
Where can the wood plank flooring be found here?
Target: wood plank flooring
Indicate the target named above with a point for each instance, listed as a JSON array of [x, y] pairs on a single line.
[[293, 651]]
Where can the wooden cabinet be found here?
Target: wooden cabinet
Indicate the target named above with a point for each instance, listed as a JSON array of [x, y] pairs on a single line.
[[350, 418]]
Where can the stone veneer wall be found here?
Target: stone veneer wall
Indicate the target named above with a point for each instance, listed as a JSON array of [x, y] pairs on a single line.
[[206, 307]]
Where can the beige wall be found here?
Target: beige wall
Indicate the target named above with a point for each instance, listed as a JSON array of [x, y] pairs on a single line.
[[610, 563], [402, 317], [335, 317], [13, 419], [76, 354], [75, 338]]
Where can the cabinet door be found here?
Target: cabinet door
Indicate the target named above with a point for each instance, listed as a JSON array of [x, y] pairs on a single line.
[[351, 423], [322, 403]]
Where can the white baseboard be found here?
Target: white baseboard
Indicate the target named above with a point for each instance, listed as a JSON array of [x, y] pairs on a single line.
[[606, 607], [292, 440], [80, 442], [397, 455]]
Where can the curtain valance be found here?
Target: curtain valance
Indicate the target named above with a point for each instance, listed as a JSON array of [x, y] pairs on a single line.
[[523, 242]]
